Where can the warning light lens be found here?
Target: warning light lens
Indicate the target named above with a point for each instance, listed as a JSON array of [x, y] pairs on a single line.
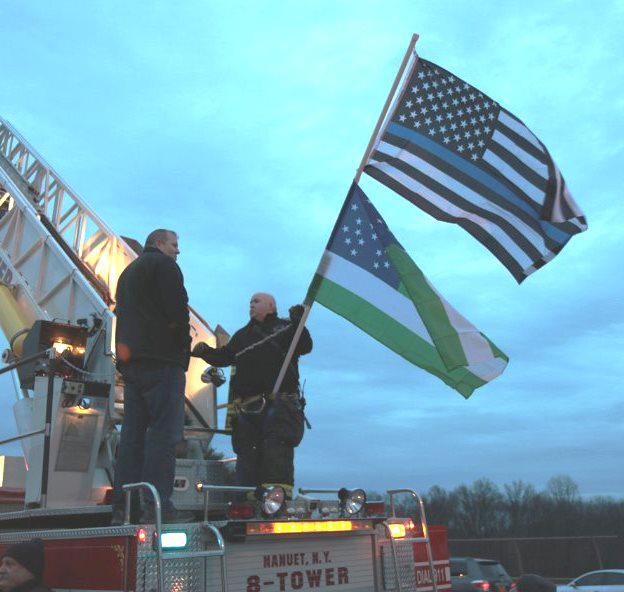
[[79, 351], [397, 531], [173, 540], [141, 535], [308, 527], [61, 347]]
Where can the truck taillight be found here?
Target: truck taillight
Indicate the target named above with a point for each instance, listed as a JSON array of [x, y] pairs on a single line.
[[141, 535], [241, 511], [481, 584], [375, 508]]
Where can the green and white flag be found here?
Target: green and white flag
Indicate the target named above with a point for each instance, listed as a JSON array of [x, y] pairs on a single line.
[[366, 276]]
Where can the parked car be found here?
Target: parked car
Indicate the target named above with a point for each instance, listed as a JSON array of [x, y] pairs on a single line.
[[470, 574], [603, 580]]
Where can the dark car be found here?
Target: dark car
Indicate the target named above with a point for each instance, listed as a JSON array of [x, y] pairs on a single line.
[[469, 574]]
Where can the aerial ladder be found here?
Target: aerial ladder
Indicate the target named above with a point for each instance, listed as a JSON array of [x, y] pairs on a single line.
[[59, 267]]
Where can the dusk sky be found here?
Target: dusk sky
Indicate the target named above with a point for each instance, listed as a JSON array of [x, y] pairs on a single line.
[[241, 126]]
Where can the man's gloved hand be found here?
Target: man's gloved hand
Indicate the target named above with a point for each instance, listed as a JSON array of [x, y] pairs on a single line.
[[295, 313], [200, 350]]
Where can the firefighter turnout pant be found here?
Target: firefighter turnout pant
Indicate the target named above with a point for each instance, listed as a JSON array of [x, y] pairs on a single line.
[[264, 439]]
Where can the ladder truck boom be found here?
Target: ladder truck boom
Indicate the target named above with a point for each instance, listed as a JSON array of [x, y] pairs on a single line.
[[60, 262]]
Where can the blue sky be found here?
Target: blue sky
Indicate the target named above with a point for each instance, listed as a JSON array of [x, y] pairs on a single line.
[[241, 125]]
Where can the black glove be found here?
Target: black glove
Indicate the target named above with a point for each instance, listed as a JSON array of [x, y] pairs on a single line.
[[295, 313], [200, 350]]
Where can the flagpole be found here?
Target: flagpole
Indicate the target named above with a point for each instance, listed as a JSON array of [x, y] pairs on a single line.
[[291, 349], [382, 117], [307, 305]]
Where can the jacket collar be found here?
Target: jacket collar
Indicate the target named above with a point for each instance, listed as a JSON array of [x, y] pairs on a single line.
[[268, 320]]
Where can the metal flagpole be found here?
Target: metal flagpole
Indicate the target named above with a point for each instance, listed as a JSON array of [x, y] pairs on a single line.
[[308, 303], [384, 111]]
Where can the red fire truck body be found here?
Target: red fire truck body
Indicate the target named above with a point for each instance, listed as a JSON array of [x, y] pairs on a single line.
[[124, 559]]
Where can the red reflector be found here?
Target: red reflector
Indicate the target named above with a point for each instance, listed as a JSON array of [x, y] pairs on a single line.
[[373, 508], [485, 586], [241, 511], [141, 535]]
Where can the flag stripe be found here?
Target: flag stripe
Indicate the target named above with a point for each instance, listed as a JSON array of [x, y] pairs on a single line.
[[512, 175], [456, 339], [385, 329], [459, 195], [520, 168], [454, 213], [525, 170], [540, 168], [431, 309], [538, 154], [378, 293], [467, 224], [479, 175], [517, 126]]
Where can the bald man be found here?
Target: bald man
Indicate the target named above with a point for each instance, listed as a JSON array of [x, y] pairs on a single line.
[[267, 428]]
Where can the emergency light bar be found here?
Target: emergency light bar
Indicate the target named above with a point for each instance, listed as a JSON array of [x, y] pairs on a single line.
[[306, 527]]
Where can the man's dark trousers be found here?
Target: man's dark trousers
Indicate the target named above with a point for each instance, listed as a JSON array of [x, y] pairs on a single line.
[[264, 443], [153, 425]]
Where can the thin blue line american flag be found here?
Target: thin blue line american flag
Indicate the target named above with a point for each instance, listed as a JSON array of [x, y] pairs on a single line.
[[457, 154]]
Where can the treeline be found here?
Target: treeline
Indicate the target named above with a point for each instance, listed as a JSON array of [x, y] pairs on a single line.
[[485, 510]]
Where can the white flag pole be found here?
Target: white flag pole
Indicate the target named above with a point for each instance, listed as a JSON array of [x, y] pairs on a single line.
[[382, 117]]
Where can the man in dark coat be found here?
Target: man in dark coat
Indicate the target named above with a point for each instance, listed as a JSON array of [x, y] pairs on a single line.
[[21, 568], [268, 426], [153, 350]]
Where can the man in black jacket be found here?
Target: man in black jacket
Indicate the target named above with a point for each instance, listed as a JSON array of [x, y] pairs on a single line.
[[268, 426], [152, 344], [21, 568]]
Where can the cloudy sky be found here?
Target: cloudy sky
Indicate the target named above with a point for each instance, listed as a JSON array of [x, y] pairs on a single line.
[[242, 124]]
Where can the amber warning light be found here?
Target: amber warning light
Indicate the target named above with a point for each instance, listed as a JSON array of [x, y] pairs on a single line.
[[399, 530], [304, 527]]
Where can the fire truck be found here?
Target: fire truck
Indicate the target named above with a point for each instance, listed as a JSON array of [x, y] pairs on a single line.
[[59, 266]]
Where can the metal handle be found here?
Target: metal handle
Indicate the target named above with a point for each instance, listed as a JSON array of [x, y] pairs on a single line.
[[425, 530], [128, 488], [206, 488]]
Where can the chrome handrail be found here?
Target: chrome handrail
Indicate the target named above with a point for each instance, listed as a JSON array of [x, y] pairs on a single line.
[[160, 556], [425, 538], [127, 489]]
